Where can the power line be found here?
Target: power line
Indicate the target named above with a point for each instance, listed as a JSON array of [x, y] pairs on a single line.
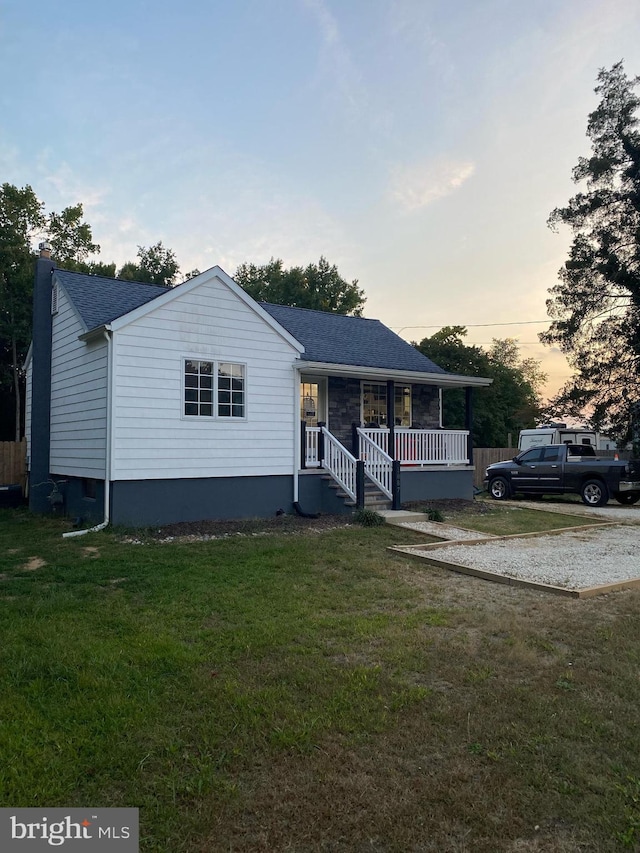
[[474, 325]]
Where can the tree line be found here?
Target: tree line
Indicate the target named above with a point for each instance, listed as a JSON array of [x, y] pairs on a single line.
[[509, 405], [24, 222]]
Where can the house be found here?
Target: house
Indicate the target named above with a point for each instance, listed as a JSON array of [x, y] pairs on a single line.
[[148, 405]]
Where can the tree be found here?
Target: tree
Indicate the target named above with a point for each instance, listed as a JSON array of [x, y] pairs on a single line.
[[596, 304], [156, 265], [510, 404], [71, 239], [319, 286], [22, 219]]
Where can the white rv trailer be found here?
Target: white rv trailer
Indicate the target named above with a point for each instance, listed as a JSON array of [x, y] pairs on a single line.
[[557, 434]]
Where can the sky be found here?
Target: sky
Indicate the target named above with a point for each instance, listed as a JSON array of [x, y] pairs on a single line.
[[419, 145]]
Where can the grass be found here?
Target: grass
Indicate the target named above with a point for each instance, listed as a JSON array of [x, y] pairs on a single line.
[[313, 692], [503, 520]]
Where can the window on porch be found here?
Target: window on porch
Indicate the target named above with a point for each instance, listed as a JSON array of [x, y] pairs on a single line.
[[374, 404], [309, 399]]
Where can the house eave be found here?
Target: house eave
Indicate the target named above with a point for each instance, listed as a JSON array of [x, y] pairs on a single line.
[[442, 380], [94, 334]]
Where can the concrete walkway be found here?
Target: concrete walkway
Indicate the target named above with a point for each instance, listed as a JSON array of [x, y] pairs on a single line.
[[420, 521]]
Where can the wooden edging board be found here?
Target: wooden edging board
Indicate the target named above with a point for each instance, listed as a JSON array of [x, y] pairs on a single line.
[[494, 577]]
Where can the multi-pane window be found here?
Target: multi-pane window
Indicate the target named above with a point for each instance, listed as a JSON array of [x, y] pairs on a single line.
[[230, 390], [214, 388], [374, 404]]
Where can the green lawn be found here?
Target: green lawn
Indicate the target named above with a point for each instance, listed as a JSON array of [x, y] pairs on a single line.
[[312, 692], [503, 520]]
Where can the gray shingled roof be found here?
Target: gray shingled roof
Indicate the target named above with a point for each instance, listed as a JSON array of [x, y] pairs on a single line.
[[338, 339], [329, 338], [100, 300]]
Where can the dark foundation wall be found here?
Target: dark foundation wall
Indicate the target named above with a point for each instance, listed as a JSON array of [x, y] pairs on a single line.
[[143, 503], [436, 484], [315, 494]]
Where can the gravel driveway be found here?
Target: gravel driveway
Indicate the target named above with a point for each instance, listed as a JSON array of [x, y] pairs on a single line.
[[574, 560], [591, 556], [610, 512]]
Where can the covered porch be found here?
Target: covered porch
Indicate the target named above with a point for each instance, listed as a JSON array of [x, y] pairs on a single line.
[[369, 428]]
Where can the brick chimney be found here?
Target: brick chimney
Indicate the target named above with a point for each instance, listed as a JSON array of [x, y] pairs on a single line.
[[39, 489]]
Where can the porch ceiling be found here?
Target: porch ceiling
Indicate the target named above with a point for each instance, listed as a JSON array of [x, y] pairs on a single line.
[[378, 374]]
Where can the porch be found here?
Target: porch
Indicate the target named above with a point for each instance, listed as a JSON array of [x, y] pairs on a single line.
[[411, 447], [392, 464], [369, 434]]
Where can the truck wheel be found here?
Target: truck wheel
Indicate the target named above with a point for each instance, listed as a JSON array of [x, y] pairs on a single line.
[[627, 498], [594, 493], [499, 489]]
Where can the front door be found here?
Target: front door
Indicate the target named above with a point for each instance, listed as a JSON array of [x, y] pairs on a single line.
[[313, 401]]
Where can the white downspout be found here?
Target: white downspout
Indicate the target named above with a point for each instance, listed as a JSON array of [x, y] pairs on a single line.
[[297, 444], [107, 461]]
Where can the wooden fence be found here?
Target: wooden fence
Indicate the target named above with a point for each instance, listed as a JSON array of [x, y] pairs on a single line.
[[13, 459], [483, 456]]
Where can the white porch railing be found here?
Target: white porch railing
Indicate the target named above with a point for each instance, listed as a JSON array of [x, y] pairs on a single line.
[[423, 446], [311, 436], [340, 464], [378, 465]]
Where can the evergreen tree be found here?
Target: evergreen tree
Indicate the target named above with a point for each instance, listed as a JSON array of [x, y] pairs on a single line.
[[596, 304]]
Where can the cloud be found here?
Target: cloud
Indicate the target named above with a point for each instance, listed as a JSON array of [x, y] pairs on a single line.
[[417, 185], [326, 21], [336, 63]]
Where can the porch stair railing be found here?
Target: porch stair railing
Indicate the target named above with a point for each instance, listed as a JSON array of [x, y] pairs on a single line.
[[378, 465], [342, 465]]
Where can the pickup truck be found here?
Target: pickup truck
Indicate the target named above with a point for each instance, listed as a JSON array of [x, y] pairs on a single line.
[[565, 468]]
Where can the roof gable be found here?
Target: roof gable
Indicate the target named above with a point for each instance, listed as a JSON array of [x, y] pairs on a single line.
[[101, 301], [341, 339]]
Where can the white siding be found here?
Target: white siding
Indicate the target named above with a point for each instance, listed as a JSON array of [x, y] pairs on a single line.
[[151, 437], [78, 397]]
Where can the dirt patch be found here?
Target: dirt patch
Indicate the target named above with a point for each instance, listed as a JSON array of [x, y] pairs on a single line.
[[192, 530], [32, 564], [91, 551]]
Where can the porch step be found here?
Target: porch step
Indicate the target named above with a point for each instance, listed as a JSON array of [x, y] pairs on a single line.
[[373, 498]]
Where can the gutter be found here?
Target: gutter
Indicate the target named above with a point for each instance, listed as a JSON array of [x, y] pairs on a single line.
[[297, 441], [443, 380], [107, 461]]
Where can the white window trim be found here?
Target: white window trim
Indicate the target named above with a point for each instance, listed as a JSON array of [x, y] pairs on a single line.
[[215, 416]]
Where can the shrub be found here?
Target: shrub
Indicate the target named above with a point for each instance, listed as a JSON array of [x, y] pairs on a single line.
[[435, 515], [368, 518]]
